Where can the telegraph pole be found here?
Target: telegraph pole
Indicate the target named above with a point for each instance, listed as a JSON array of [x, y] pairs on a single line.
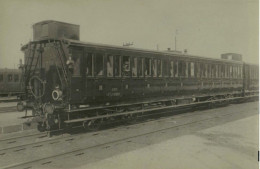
[[175, 39]]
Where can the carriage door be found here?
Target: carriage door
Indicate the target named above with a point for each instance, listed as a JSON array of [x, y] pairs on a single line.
[[77, 80]]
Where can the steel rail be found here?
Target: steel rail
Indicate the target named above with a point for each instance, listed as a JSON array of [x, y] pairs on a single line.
[[52, 157]]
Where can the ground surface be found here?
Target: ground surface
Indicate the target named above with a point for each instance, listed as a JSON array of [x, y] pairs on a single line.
[[11, 117], [225, 138], [232, 145]]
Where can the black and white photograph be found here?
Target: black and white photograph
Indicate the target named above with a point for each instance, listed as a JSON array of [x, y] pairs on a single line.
[[129, 84]]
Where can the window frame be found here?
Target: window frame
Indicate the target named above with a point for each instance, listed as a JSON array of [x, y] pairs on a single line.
[[118, 66], [129, 71], [136, 66], [10, 79], [154, 68], [159, 68], [140, 62], [149, 67], [96, 74], [89, 55], [111, 67]]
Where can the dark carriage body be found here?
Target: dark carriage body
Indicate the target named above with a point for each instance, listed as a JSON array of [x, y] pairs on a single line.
[[171, 74], [63, 74], [10, 82], [251, 77]]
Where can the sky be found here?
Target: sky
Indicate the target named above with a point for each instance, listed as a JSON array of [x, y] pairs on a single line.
[[203, 27]]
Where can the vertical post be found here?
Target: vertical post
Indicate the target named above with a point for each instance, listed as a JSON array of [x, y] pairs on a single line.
[[175, 39], [175, 42]]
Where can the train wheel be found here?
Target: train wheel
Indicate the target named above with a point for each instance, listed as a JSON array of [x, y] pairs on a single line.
[[92, 125], [67, 128], [211, 105], [132, 118], [41, 127]]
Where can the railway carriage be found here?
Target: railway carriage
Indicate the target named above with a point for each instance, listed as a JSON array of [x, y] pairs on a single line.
[[119, 74], [10, 82], [63, 74]]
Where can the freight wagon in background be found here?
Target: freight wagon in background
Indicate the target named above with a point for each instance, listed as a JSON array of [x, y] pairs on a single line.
[[10, 82], [68, 81]]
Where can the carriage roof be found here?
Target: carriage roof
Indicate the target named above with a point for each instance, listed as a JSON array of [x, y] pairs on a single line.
[[148, 51], [138, 50]]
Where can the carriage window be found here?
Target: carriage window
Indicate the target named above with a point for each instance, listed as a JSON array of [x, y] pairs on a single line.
[[171, 69], [205, 66], [219, 71], [180, 65], [117, 63], [216, 71], [154, 68], [217, 75], [186, 69], [1, 77], [253, 73], [89, 70], [126, 66], [192, 69], [110, 65], [141, 67], [206, 70], [134, 67], [239, 72], [198, 69], [202, 71], [176, 68], [234, 72], [165, 68], [230, 71], [226, 71], [222, 71], [76, 56], [213, 71], [159, 68], [10, 78], [16, 78], [242, 72], [148, 67], [99, 65], [209, 70]]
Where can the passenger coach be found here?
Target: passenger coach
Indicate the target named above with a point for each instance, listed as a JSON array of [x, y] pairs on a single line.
[[63, 74]]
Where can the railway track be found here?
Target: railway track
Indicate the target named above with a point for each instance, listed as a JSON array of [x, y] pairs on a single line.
[[8, 99], [8, 109], [7, 143], [92, 136], [14, 140]]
